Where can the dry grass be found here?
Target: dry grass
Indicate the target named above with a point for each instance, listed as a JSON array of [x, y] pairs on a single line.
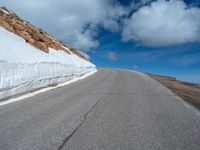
[[188, 91]]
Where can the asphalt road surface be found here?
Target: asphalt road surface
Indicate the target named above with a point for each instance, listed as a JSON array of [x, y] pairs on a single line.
[[110, 110]]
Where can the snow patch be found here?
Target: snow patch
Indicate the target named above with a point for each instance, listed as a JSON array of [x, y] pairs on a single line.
[[5, 11]]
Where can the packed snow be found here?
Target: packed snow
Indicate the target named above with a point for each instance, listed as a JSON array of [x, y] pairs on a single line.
[[25, 68]]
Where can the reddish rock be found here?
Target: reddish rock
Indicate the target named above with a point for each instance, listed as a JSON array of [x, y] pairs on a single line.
[[35, 36], [41, 45], [17, 26], [6, 25], [26, 36]]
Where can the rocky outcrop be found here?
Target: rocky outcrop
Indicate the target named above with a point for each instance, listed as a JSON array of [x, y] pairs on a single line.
[[32, 35]]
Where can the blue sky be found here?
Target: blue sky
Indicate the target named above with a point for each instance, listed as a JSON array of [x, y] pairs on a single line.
[[181, 61], [160, 37]]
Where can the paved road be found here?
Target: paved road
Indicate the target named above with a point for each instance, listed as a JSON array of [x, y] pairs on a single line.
[[111, 110]]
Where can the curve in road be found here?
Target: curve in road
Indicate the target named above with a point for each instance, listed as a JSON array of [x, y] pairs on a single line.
[[111, 110]]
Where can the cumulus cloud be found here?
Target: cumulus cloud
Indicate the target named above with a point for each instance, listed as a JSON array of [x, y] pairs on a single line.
[[163, 23], [75, 22], [113, 56]]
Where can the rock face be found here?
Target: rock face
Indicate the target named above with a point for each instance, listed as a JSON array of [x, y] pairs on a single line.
[[32, 35]]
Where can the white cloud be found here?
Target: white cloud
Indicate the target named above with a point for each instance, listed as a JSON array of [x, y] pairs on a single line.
[[163, 23], [73, 21], [113, 56], [85, 55], [76, 22], [135, 67]]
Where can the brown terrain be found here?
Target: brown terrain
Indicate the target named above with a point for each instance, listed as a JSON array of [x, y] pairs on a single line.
[[32, 35], [188, 91]]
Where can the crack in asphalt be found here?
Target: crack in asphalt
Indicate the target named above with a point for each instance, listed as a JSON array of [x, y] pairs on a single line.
[[74, 131]]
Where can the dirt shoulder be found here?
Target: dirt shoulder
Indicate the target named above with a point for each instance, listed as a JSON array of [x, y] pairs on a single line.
[[188, 91]]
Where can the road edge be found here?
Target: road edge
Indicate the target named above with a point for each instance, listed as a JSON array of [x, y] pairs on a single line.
[[43, 90]]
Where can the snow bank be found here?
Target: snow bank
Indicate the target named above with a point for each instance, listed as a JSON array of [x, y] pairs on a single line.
[[25, 68]]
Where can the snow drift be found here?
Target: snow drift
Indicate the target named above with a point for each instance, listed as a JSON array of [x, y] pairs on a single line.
[[25, 68]]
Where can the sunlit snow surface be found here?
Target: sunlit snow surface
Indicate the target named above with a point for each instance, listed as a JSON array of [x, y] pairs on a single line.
[[25, 68]]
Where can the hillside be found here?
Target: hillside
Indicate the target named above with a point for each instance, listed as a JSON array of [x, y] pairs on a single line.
[[32, 35], [31, 59], [188, 91]]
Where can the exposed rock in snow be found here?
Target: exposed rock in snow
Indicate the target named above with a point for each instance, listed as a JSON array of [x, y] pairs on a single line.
[[30, 59], [34, 36]]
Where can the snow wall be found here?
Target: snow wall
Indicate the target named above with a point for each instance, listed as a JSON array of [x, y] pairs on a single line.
[[24, 68]]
